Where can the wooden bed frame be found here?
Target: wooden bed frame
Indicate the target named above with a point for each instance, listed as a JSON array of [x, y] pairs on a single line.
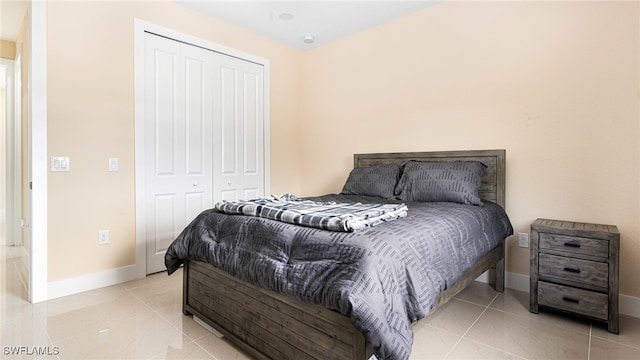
[[267, 325]]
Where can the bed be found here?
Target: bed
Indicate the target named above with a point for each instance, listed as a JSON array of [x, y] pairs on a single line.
[[271, 319]]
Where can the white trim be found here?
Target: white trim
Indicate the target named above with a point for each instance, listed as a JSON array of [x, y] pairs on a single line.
[[15, 210], [628, 305], [138, 66], [512, 280], [23, 266], [9, 150], [142, 26], [13, 201], [92, 281], [139, 28], [517, 281], [38, 144]]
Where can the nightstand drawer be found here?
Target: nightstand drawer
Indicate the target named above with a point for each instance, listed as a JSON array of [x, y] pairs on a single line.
[[583, 271], [579, 301], [574, 245]]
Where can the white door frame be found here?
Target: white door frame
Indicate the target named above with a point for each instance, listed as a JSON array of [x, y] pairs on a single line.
[[37, 70], [12, 159], [140, 27]]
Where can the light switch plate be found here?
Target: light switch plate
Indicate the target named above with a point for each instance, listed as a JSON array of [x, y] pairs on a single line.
[[114, 164], [60, 163]]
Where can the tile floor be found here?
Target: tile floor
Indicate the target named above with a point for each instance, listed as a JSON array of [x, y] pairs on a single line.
[[142, 319]]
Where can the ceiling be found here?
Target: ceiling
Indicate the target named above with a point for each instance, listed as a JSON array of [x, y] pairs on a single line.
[[288, 22]]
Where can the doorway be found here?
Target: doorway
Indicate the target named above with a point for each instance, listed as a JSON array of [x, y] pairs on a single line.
[[11, 197], [32, 112]]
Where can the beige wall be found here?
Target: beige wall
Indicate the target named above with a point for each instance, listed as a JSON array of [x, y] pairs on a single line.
[[7, 49], [556, 84], [91, 118], [553, 83]]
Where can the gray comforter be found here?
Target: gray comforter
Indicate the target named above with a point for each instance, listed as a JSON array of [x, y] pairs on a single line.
[[383, 278]]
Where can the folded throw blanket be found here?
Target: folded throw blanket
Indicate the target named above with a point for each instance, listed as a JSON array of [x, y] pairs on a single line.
[[322, 215]]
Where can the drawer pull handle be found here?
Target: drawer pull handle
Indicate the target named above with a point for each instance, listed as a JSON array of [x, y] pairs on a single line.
[[572, 270], [573, 245], [570, 299]]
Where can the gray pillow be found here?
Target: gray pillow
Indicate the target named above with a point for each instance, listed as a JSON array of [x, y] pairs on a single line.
[[380, 181], [456, 181]]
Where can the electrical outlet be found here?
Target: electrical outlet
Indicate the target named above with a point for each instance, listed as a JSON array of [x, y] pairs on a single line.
[[103, 237], [523, 240]]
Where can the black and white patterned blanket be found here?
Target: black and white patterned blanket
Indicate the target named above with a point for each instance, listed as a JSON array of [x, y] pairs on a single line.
[[326, 215], [383, 277]]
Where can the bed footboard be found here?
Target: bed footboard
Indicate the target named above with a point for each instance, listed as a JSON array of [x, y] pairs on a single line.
[[265, 324], [270, 326]]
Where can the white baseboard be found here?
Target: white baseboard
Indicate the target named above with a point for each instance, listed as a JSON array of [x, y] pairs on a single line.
[[628, 305], [23, 266], [517, 281], [88, 282]]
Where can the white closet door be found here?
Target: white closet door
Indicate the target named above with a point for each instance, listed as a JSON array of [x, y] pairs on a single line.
[[178, 146], [239, 134], [204, 136]]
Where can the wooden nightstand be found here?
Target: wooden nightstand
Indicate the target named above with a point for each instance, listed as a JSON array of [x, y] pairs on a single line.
[[574, 268]]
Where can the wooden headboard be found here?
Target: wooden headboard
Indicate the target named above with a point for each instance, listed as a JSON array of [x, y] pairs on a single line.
[[493, 183]]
